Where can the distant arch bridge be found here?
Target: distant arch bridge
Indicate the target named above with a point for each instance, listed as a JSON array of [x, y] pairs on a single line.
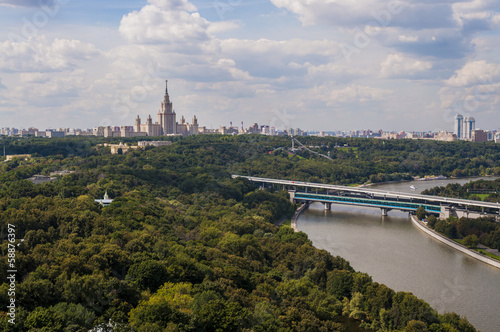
[[329, 194]]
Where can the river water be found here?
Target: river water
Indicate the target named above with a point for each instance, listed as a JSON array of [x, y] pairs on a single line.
[[396, 253]]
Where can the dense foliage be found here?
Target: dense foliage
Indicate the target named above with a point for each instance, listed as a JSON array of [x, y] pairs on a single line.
[[183, 247], [488, 191], [355, 160], [483, 230]]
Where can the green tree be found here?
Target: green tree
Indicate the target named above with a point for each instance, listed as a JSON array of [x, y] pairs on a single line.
[[420, 213], [431, 221], [416, 326], [148, 274], [471, 241]]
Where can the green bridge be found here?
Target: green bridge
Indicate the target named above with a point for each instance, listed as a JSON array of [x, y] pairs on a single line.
[[385, 205]]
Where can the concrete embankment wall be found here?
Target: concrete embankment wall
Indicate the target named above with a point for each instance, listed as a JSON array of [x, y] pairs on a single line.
[[454, 244], [296, 216]]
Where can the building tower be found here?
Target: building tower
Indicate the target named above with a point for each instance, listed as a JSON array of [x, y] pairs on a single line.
[[472, 126], [166, 116], [469, 127], [194, 126], [466, 134], [459, 125], [137, 127]]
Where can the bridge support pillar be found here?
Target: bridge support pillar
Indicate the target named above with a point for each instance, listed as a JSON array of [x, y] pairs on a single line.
[[384, 212], [446, 212], [328, 206]]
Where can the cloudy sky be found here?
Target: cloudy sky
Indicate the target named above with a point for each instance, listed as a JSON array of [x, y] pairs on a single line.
[[313, 64]]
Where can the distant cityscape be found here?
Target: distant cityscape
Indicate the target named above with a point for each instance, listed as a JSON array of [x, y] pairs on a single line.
[[166, 125]]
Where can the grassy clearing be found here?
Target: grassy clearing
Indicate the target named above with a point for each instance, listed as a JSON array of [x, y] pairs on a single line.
[[346, 149], [290, 156], [287, 223], [482, 196], [489, 254], [482, 251]]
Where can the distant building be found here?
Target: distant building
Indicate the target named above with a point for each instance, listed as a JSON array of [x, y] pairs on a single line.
[[20, 156], [143, 144], [61, 173], [39, 179], [469, 127], [400, 135], [29, 132], [110, 132], [497, 137], [120, 148], [54, 134], [166, 124], [98, 131], [106, 201], [479, 135], [446, 136], [491, 135], [459, 125]]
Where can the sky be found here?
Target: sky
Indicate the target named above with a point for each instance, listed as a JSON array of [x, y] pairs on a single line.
[[310, 64]]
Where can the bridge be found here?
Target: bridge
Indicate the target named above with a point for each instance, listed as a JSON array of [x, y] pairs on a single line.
[[329, 194]]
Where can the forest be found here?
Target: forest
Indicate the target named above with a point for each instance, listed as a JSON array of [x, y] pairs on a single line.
[[183, 247], [480, 190], [472, 232]]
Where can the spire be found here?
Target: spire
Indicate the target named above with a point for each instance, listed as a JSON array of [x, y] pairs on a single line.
[[167, 98]]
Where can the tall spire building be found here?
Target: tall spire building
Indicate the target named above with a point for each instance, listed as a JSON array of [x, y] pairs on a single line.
[[166, 124], [166, 116]]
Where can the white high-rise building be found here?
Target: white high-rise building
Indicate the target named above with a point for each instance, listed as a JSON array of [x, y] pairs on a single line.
[[469, 127]]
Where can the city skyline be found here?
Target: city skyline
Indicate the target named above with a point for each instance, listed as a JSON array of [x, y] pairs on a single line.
[[284, 63]]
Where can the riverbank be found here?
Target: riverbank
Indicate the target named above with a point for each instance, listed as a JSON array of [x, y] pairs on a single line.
[[454, 244], [296, 216]]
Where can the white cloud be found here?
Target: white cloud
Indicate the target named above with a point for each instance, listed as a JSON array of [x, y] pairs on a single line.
[[273, 59], [408, 39], [353, 93], [1, 85], [170, 23], [34, 78], [420, 28], [223, 26], [174, 5], [230, 66], [397, 65], [26, 3], [496, 20], [473, 90], [475, 72], [267, 61], [471, 100], [415, 14], [39, 54]]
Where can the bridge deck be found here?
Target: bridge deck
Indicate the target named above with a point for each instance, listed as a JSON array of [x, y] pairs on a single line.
[[387, 204], [376, 193]]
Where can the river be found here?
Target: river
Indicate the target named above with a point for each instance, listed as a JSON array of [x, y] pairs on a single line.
[[396, 253]]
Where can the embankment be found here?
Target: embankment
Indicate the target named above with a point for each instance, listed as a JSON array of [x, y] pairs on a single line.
[[454, 244], [297, 214]]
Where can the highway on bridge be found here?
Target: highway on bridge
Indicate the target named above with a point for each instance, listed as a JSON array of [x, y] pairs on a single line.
[[386, 200]]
